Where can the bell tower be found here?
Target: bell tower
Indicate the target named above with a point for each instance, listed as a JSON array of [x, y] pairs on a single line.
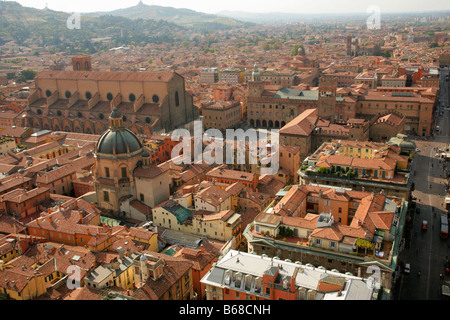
[[327, 99], [81, 63], [255, 86]]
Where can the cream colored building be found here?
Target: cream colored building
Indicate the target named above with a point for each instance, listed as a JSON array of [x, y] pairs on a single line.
[[221, 226], [221, 115]]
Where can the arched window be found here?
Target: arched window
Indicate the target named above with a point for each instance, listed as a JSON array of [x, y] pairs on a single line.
[[78, 66], [48, 93], [68, 94], [39, 111], [124, 118], [79, 114], [101, 116], [155, 98], [132, 97], [147, 120], [177, 99], [88, 95], [109, 96], [86, 65], [59, 113]]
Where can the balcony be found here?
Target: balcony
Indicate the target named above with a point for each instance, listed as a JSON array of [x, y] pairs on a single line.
[[398, 180], [124, 182], [384, 254]]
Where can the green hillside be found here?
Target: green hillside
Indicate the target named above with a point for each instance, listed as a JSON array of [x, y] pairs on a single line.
[[182, 17], [47, 27]]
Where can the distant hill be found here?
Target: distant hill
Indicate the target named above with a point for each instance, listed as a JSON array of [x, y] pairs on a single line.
[[48, 27], [183, 17], [283, 17], [261, 17]]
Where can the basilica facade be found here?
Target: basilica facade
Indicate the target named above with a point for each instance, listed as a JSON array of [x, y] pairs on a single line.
[[81, 100]]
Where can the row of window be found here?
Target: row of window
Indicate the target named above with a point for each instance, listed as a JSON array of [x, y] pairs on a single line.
[[408, 106], [101, 116], [109, 96], [330, 244], [270, 106], [291, 114]]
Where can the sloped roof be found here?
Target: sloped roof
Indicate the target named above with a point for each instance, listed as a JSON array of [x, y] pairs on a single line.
[[302, 125], [181, 213]]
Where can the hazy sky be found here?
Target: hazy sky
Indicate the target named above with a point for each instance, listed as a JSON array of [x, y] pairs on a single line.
[[213, 6]]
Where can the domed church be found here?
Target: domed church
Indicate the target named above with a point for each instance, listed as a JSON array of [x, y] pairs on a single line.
[[126, 184]]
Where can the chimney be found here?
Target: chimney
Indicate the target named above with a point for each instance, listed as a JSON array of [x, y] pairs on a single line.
[[120, 250]]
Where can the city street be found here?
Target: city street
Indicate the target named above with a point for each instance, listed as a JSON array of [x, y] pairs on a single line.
[[425, 250]]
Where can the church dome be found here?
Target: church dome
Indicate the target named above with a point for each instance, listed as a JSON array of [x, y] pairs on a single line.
[[143, 258], [118, 140]]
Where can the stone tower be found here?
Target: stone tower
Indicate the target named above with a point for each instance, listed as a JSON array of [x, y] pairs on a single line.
[[349, 45]]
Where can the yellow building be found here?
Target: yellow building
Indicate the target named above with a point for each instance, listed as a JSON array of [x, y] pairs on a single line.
[[220, 226], [119, 273], [355, 150], [21, 284], [145, 236]]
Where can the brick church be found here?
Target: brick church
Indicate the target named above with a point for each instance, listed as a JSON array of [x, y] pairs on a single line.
[[81, 100]]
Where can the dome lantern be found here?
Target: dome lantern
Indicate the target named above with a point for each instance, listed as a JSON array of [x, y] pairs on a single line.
[[115, 119]]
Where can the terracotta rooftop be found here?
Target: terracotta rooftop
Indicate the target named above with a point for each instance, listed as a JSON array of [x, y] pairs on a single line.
[[161, 76]]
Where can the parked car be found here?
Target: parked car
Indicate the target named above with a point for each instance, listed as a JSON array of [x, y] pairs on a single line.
[[407, 269], [424, 225]]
